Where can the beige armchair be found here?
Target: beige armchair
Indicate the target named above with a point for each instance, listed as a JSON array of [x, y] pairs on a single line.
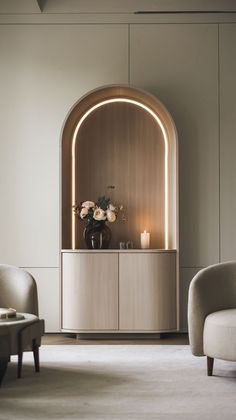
[[212, 313], [18, 290]]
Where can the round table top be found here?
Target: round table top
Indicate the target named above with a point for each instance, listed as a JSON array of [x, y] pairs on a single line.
[[21, 317]]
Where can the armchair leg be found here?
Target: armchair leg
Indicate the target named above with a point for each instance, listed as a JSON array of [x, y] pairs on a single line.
[[210, 363], [19, 367], [3, 368], [35, 349]]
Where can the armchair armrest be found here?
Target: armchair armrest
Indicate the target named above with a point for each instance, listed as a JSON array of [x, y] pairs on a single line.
[[212, 289]]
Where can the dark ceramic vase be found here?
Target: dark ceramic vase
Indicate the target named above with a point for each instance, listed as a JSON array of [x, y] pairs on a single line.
[[98, 236]]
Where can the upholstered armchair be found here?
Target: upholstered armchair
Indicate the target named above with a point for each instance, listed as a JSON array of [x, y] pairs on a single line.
[[212, 313], [18, 290]]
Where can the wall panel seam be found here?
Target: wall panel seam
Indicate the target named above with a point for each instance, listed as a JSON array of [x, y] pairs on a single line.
[[219, 141], [92, 23]]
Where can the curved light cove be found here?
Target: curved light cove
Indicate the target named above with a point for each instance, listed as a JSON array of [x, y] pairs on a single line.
[[158, 121]]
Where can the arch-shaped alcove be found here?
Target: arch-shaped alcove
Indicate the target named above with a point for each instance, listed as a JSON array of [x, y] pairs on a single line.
[[124, 137]]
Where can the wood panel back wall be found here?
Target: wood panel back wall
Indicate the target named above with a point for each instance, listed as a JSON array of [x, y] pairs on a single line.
[[122, 145]]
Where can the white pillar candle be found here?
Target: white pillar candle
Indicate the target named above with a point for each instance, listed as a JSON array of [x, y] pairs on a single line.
[[145, 240]]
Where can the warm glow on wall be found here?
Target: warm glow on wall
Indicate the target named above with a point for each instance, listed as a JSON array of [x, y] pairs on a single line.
[[158, 121]]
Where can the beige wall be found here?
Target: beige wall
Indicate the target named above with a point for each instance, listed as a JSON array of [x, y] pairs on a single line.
[[44, 71], [45, 68]]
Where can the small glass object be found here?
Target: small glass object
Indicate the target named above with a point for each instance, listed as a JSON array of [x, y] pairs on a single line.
[[129, 245]]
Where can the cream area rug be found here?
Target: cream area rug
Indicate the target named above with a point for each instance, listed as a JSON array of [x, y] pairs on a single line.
[[119, 382]]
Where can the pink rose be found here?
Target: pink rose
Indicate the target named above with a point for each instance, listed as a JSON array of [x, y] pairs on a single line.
[[111, 217], [88, 204], [83, 212]]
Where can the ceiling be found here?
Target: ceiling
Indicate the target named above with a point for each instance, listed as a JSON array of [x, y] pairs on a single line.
[[114, 6]]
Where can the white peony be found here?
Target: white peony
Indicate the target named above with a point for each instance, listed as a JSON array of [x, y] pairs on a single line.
[[88, 204], [111, 217], [99, 214]]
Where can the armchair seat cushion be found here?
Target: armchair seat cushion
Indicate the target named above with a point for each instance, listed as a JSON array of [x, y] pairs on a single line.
[[219, 335]]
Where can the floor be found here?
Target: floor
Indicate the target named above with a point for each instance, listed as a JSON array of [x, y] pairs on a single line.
[[118, 382], [166, 339]]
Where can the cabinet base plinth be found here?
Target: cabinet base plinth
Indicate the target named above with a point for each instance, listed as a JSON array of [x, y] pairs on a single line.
[[117, 333], [116, 336]]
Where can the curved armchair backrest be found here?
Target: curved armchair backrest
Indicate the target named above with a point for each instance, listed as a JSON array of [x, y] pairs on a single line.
[[212, 289], [18, 290]]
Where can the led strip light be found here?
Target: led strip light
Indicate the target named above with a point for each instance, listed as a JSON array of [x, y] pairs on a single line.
[[157, 119]]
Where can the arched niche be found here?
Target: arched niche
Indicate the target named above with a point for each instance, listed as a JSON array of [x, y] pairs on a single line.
[[124, 137]]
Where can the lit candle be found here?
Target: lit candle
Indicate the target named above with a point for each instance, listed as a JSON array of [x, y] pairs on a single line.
[[145, 240]]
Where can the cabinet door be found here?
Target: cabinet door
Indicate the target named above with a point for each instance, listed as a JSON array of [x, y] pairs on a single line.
[[147, 292], [90, 291]]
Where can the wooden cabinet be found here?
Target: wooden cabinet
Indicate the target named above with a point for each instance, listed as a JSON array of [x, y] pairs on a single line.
[[119, 291], [89, 291], [147, 291]]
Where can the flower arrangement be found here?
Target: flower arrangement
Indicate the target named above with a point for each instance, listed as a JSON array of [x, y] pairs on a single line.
[[96, 213]]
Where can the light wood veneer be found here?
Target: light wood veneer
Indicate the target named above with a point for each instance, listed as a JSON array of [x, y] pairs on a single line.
[[89, 291], [147, 291], [119, 291], [120, 144]]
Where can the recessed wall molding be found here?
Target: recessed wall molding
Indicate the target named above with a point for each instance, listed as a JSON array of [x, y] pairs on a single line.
[[121, 136]]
